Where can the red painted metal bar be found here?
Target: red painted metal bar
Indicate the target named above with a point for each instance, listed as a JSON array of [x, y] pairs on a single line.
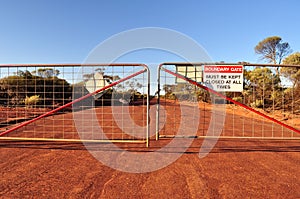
[[73, 102], [231, 100], [219, 63], [71, 64]]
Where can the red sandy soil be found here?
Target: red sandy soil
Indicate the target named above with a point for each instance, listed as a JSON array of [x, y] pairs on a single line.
[[16, 113], [236, 168]]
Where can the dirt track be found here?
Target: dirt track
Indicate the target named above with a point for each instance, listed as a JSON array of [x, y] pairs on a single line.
[[234, 169]]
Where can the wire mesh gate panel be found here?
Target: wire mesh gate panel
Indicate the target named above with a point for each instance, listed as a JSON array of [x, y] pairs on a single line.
[[267, 107], [74, 102]]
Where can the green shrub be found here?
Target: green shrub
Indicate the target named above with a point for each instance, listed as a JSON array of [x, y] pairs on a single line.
[[257, 104], [32, 100], [238, 99]]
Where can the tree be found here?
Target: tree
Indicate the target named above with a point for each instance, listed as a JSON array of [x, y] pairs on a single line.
[[261, 86], [24, 74], [16, 88], [169, 89], [272, 49], [292, 73], [46, 72]]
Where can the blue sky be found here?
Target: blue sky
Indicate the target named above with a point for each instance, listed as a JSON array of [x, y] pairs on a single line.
[[62, 31]]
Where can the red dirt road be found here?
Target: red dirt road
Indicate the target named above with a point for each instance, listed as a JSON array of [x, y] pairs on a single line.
[[234, 169]]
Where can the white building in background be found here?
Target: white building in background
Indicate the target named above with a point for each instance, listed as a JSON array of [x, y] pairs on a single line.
[[96, 82]]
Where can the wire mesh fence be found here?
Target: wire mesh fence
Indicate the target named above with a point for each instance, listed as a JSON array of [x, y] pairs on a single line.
[[266, 107], [74, 102], [102, 102]]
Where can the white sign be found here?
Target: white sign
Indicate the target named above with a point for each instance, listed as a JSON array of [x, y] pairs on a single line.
[[224, 77], [191, 72]]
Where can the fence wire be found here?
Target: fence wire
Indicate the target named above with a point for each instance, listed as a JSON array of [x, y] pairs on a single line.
[[74, 102], [268, 107]]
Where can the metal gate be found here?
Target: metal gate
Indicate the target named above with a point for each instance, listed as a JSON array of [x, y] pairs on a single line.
[[74, 102], [110, 103], [267, 107]]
